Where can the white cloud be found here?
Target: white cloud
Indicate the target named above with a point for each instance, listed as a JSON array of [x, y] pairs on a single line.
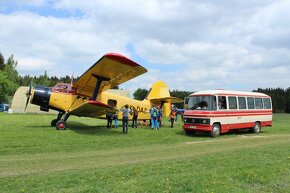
[[191, 45]]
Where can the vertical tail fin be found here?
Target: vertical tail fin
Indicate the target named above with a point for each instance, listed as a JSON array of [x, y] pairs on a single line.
[[158, 90], [159, 95]]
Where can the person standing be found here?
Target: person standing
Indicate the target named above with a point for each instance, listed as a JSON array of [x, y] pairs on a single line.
[[135, 118], [172, 117], [109, 120], [115, 118], [154, 118], [125, 118], [159, 115]]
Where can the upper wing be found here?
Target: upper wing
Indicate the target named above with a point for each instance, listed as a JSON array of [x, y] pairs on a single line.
[[92, 109], [114, 68]]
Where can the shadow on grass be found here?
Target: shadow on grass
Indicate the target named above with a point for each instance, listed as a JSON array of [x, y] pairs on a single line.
[[92, 130], [231, 133], [82, 128]]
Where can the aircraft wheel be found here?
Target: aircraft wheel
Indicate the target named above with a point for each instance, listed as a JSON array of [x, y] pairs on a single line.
[[216, 130], [53, 122], [256, 128], [61, 125]]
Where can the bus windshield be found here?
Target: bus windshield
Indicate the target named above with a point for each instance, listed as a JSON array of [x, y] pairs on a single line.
[[202, 102]]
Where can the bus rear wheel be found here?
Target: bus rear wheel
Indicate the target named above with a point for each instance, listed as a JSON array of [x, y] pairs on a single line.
[[256, 128], [216, 130]]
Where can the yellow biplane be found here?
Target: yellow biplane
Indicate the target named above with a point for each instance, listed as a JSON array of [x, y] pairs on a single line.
[[88, 96]]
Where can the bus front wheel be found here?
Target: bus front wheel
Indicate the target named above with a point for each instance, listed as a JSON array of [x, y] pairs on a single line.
[[256, 128], [216, 130]]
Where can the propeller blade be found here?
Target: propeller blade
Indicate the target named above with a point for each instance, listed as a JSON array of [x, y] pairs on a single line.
[[28, 94], [27, 101]]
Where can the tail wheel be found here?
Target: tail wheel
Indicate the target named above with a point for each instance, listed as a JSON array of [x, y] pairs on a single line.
[[216, 130], [61, 125], [256, 128]]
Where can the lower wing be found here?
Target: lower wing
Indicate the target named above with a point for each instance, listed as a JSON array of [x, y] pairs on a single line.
[[92, 109]]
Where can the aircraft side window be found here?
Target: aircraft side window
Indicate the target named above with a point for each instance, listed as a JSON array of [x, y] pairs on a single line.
[[112, 103]]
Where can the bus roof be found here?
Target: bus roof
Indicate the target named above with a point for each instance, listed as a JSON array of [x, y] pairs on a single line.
[[229, 93]]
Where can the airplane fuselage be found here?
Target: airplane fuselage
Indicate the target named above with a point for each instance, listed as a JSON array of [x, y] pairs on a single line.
[[47, 99]]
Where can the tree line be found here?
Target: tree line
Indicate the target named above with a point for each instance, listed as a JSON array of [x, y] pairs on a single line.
[[280, 98], [10, 80]]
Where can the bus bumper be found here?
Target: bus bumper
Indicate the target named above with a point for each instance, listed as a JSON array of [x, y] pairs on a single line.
[[200, 128]]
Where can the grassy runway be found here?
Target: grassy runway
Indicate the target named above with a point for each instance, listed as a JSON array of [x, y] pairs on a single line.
[[87, 157]]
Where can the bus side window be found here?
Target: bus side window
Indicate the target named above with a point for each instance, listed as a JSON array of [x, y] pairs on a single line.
[[242, 102], [251, 103], [233, 103], [222, 102], [267, 103], [258, 103]]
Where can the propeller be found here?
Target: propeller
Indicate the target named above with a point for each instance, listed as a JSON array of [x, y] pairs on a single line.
[[28, 94]]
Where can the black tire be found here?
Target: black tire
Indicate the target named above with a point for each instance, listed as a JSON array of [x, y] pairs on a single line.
[[256, 128], [186, 132], [61, 125], [53, 122], [216, 130]]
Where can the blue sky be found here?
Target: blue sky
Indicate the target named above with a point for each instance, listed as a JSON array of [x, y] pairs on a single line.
[[190, 44]]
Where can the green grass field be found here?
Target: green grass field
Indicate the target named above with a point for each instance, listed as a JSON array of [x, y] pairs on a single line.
[[87, 157]]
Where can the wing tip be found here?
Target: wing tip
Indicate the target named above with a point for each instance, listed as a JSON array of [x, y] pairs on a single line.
[[121, 58]]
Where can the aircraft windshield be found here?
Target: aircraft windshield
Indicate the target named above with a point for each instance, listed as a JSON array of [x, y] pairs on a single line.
[[202, 102], [64, 88]]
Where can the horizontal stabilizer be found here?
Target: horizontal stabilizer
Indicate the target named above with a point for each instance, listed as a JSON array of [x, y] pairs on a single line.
[[167, 99], [92, 109]]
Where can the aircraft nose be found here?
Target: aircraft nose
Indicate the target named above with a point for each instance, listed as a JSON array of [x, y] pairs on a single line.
[[41, 96]]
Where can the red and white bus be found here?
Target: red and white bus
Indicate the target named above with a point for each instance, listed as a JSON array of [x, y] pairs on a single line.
[[219, 111]]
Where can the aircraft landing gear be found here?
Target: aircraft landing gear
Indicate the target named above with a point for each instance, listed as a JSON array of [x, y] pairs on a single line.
[[54, 121], [60, 123]]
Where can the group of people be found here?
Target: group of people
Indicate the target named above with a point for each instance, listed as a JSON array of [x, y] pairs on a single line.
[[155, 115], [125, 118]]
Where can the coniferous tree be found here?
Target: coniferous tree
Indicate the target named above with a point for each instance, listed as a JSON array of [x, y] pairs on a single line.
[[2, 62]]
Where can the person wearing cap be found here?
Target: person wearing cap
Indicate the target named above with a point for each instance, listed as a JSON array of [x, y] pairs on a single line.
[[125, 110]]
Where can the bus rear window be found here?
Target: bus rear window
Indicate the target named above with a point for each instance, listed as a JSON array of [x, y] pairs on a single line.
[[267, 103]]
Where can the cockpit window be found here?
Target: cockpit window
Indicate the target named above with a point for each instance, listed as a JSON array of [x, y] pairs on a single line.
[[64, 88], [202, 103]]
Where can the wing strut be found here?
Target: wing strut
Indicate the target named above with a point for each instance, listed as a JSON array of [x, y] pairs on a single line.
[[100, 79]]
